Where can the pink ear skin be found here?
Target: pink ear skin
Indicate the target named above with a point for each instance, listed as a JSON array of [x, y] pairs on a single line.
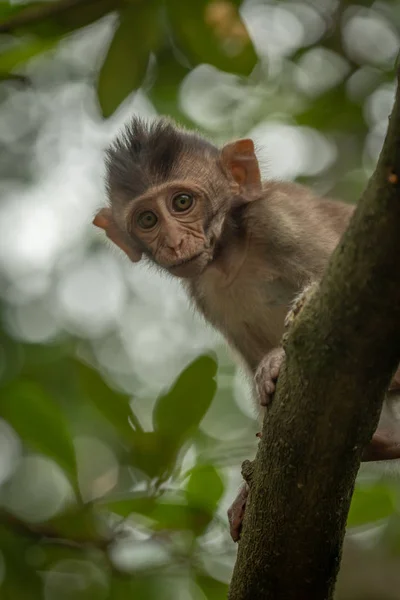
[[240, 160], [104, 220]]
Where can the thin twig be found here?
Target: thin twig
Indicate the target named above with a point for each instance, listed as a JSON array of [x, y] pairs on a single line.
[[36, 14], [44, 532]]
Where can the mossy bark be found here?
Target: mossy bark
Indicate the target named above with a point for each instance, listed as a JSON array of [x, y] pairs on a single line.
[[341, 353]]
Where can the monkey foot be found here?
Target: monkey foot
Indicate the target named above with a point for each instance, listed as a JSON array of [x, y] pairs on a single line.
[[383, 446], [236, 512], [267, 374]]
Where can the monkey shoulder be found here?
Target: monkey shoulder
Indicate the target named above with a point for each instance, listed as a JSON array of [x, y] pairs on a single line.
[[296, 226]]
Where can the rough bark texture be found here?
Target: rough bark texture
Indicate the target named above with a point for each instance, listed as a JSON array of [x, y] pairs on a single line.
[[341, 353]]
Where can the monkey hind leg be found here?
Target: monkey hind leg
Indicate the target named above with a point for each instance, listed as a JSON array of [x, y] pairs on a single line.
[[383, 446], [236, 512], [385, 443]]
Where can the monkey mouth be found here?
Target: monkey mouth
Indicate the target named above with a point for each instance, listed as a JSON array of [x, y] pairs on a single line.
[[186, 261]]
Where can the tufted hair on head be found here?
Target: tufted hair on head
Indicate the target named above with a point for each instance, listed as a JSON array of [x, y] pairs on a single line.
[[146, 153]]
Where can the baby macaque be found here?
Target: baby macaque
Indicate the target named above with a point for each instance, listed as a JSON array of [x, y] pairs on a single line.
[[244, 248]]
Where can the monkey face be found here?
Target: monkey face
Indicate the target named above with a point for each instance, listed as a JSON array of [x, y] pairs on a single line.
[[170, 192], [170, 224]]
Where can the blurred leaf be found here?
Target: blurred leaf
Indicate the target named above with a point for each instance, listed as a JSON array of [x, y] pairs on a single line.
[[11, 358], [80, 524], [333, 110], [172, 515], [114, 406], [205, 487], [21, 582], [212, 32], [153, 453], [180, 411], [133, 503], [21, 53], [128, 55], [22, 80], [136, 588], [82, 15], [52, 19], [390, 538], [164, 92], [212, 588], [370, 504], [176, 516], [39, 421], [6, 9]]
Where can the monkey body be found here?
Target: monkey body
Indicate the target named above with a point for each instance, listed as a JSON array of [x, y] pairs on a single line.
[[276, 250], [244, 248]]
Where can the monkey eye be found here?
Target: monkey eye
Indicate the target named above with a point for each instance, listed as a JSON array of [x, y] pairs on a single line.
[[182, 202], [147, 219]]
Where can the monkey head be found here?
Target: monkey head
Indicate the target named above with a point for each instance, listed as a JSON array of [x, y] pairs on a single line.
[[170, 192]]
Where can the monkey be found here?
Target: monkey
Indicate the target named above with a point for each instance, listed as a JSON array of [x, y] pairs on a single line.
[[243, 248]]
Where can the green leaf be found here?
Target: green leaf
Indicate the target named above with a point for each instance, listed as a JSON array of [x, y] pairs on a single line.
[[21, 581], [207, 36], [205, 487], [133, 503], [42, 20], [390, 537], [370, 504], [6, 10], [153, 453], [164, 93], [22, 53], [128, 55], [179, 412], [114, 406], [79, 524], [83, 14], [173, 515], [40, 423], [176, 516], [137, 587], [212, 588], [333, 110]]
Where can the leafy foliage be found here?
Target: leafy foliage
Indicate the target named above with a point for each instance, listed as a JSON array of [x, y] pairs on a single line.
[[42, 424], [165, 482], [128, 55], [39, 422]]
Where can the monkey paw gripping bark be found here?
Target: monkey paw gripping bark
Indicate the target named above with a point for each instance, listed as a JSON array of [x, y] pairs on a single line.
[[267, 374]]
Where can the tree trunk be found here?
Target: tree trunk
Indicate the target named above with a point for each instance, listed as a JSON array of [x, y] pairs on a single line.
[[341, 353]]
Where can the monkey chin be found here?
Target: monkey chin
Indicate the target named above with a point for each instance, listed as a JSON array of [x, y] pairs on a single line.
[[191, 267]]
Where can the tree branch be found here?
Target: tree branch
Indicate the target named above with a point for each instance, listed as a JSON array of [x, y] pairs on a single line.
[[45, 531], [37, 13], [341, 353]]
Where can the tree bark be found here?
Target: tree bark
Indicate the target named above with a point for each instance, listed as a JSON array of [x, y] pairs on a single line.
[[341, 353]]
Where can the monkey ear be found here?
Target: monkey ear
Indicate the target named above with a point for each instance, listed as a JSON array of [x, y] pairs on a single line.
[[105, 221], [239, 158]]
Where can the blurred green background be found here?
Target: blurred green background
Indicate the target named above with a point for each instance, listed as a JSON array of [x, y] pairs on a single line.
[[123, 418]]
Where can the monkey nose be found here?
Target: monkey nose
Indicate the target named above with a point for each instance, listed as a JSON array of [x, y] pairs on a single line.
[[175, 244]]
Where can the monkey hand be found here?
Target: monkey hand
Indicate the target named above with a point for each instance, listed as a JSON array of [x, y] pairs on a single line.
[[236, 512], [267, 374]]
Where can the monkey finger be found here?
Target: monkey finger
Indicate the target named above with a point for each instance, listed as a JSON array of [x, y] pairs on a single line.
[[274, 371], [265, 388]]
